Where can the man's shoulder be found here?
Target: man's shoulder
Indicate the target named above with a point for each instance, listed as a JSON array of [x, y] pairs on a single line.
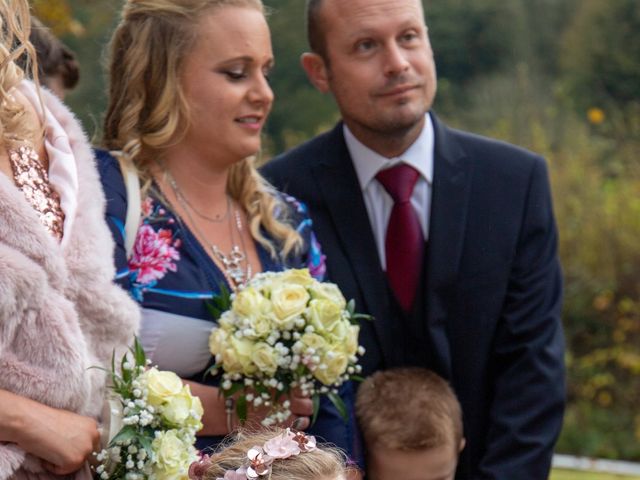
[[304, 155], [491, 152]]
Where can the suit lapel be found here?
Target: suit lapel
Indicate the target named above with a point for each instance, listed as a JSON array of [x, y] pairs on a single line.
[[451, 182], [339, 186]]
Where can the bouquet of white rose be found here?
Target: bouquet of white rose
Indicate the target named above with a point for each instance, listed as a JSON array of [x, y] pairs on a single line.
[[282, 331], [154, 419]]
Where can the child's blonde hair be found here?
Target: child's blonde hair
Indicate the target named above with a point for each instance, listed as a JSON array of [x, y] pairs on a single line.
[[322, 463]]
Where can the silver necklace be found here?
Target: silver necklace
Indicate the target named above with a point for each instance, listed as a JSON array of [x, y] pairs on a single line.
[[232, 263], [184, 200]]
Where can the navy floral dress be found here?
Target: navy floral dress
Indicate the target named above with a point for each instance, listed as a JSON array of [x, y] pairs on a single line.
[[172, 277]]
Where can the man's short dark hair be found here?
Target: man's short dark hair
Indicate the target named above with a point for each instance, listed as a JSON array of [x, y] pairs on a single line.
[[315, 32]]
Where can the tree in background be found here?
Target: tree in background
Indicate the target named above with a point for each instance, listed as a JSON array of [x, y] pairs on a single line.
[[600, 55]]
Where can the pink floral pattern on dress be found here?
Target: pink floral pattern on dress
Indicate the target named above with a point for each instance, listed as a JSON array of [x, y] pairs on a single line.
[[154, 254]]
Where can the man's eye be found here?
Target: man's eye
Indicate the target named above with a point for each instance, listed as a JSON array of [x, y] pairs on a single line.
[[365, 45], [409, 36]]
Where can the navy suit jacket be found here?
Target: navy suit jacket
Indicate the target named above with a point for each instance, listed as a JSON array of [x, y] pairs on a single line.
[[492, 290]]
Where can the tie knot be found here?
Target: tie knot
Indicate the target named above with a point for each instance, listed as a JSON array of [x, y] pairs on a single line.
[[399, 181]]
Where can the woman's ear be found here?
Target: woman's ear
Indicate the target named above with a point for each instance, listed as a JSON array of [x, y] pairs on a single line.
[[316, 69]]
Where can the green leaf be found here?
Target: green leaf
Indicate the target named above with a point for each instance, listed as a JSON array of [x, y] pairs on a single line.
[[362, 316], [138, 353], [146, 441], [235, 387], [126, 373], [340, 406], [351, 307], [208, 371], [128, 432], [356, 378], [241, 408], [315, 399], [219, 303]]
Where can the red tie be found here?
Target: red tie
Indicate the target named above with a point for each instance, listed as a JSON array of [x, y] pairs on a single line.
[[404, 243]]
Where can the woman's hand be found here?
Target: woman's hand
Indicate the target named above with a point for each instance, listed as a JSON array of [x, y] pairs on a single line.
[[62, 439], [301, 410], [215, 422]]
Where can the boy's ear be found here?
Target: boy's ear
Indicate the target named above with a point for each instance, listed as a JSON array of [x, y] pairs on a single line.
[[316, 69], [463, 442]]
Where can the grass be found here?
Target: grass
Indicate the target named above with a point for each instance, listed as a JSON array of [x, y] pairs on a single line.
[[557, 474]]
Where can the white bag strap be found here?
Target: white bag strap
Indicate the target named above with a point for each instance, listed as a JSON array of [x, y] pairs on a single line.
[[134, 207]]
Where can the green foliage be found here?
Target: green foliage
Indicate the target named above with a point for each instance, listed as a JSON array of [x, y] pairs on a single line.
[[600, 54], [596, 185], [561, 474]]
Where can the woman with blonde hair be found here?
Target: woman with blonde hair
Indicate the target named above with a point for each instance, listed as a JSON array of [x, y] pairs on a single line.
[[274, 454], [60, 312], [188, 98]]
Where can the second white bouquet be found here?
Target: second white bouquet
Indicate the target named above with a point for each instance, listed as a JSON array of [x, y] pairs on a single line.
[[153, 424], [285, 330]]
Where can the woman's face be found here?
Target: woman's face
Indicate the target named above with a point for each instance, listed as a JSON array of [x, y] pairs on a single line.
[[224, 79]]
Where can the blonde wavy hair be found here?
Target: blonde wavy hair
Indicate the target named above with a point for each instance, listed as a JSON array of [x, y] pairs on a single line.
[[15, 25], [323, 463], [148, 111]]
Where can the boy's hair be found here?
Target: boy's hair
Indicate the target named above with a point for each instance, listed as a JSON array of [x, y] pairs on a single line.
[[408, 409]]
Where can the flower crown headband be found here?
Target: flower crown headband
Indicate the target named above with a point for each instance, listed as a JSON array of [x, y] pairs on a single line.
[[289, 443]]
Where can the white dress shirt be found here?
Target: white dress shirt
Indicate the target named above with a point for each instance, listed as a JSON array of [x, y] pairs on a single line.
[[379, 203]]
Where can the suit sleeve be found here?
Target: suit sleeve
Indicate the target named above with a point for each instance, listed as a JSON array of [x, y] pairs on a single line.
[[527, 410]]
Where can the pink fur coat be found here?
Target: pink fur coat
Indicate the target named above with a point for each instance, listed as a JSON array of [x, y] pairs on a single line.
[[60, 312]]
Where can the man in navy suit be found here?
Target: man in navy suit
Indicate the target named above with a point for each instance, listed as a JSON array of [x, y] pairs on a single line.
[[461, 270]]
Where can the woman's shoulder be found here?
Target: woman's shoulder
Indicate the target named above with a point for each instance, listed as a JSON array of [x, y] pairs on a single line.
[[112, 181], [293, 211]]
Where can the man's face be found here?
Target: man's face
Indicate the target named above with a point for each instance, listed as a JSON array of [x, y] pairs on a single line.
[[428, 464], [379, 65]]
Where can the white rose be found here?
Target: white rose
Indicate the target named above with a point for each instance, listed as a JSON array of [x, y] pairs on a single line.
[[161, 385], [314, 341], [179, 409], [336, 366], [328, 291], [250, 302], [324, 314], [289, 301], [294, 276], [261, 325], [218, 340], [227, 321], [172, 456], [265, 358], [236, 357], [350, 344]]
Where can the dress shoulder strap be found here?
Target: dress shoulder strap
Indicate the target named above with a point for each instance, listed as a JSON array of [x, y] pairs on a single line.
[[134, 205]]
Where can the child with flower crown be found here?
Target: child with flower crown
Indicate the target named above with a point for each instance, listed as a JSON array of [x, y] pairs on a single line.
[[272, 454], [411, 422]]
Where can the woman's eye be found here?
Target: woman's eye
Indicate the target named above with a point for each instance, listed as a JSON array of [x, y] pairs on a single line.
[[235, 75]]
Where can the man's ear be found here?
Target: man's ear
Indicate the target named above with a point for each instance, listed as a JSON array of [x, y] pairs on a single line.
[[316, 69]]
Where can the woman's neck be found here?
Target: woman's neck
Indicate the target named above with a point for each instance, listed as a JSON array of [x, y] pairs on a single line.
[[203, 181]]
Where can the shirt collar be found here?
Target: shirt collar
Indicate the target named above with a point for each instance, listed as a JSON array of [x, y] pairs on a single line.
[[368, 163]]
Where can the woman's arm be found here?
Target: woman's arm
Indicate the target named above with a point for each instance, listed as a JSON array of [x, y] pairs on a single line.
[[62, 439]]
